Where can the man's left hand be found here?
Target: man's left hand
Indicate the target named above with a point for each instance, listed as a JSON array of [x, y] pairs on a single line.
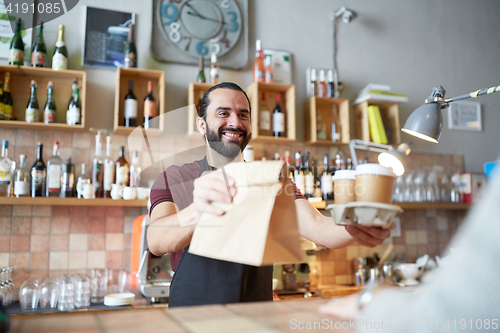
[[369, 236]]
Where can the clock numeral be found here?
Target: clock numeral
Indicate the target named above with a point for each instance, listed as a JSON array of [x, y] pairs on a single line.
[[188, 43], [234, 16], [170, 12], [225, 4], [174, 33], [224, 39], [215, 46], [201, 48]]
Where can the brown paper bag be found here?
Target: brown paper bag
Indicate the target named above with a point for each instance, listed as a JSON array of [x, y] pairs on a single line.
[[260, 226]]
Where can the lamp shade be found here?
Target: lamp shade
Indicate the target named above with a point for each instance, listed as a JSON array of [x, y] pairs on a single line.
[[425, 122]]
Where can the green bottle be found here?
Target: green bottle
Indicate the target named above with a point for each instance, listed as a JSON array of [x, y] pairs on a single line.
[[1, 101], [49, 112], [60, 58], [201, 71], [16, 52], [32, 110], [8, 106], [130, 52], [39, 51], [73, 115]]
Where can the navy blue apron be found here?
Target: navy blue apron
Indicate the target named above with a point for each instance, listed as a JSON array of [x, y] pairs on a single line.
[[201, 281]]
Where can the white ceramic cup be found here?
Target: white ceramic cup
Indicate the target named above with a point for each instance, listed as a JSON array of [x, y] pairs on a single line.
[[129, 193], [85, 190], [116, 191]]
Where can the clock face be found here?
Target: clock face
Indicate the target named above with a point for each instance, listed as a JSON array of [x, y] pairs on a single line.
[[200, 27]]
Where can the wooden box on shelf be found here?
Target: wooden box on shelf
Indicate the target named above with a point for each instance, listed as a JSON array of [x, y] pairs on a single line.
[[140, 78], [321, 110], [287, 92], [390, 118], [196, 91], [19, 87]]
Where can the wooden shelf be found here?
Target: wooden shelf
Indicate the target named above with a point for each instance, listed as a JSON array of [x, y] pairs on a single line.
[[390, 116], [196, 91], [20, 79], [140, 78], [316, 108], [287, 92], [428, 205], [72, 202]]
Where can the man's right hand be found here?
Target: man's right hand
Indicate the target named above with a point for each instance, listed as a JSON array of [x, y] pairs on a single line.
[[211, 187]]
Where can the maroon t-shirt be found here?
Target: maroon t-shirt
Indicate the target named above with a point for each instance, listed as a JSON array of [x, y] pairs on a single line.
[[176, 184]]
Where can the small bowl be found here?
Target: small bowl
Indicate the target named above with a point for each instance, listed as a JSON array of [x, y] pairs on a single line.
[[409, 273]]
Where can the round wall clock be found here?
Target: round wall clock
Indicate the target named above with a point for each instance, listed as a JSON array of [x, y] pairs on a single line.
[[188, 29]]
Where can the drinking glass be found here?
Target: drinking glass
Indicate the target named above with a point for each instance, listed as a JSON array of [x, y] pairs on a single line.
[[66, 300], [82, 291], [98, 285], [398, 190], [49, 293], [419, 193], [28, 295], [445, 188], [409, 187]]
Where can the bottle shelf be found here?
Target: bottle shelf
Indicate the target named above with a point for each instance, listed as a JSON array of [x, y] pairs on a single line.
[[19, 86], [140, 78], [316, 108], [71, 202], [196, 91], [428, 205]]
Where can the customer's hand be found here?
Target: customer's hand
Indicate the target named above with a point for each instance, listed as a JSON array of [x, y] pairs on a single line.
[[210, 188], [369, 236]]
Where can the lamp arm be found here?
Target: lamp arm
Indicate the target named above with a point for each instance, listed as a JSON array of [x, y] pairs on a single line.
[[365, 145], [474, 94]]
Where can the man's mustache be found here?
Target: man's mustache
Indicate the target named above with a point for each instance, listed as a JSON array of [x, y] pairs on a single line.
[[230, 129]]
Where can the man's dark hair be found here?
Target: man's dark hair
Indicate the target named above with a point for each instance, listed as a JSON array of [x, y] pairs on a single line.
[[205, 102]]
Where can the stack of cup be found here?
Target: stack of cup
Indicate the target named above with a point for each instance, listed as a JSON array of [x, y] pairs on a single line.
[[343, 186], [374, 183], [82, 291], [98, 285], [49, 293], [66, 300]]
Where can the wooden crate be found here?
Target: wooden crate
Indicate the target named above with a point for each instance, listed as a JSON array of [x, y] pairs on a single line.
[[19, 86], [313, 106], [390, 116], [140, 78], [287, 92], [196, 91]]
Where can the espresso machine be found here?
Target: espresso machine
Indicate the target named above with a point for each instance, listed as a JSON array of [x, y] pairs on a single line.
[[155, 273]]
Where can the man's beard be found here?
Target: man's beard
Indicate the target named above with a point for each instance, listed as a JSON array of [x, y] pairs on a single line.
[[227, 149]]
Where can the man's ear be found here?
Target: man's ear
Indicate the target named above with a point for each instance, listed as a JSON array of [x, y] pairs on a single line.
[[202, 125]]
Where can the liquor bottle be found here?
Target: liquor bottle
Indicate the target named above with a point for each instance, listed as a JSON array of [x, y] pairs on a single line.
[[32, 110], [336, 127], [150, 109], [39, 51], [299, 176], [130, 111], [130, 51], [49, 112], [290, 167], [259, 71], [269, 73], [21, 178], [68, 179], [73, 115], [317, 181], [313, 84], [201, 71], [135, 171], [278, 119], [109, 169], [320, 126], [38, 174], [122, 169], [97, 169], [60, 58], [326, 180], [83, 178], [5, 169], [330, 87], [8, 108], [339, 161], [349, 166], [214, 70], [1, 101], [264, 117], [322, 84], [309, 177], [54, 172], [16, 50]]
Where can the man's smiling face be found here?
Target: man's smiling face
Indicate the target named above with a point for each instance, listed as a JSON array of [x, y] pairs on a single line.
[[227, 124]]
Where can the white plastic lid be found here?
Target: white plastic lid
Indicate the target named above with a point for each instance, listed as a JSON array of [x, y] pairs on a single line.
[[344, 174], [213, 59], [374, 169]]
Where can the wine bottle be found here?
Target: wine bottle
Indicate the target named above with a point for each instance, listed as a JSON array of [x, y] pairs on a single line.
[[130, 52], [150, 109], [330, 88], [299, 176], [54, 172], [109, 169], [326, 180], [309, 177], [258, 63], [201, 71], [2, 105], [214, 70], [8, 108], [5, 170], [49, 112], [21, 178], [122, 174], [290, 167], [60, 58], [322, 91], [130, 111], [38, 174], [39, 51], [73, 115], [278, 119], [97, 169], [32, 110], [68, 179], [16, 50], [135, 171], [264, 117]]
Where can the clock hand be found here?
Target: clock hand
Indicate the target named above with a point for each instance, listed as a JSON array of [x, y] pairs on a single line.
[[205, 18]]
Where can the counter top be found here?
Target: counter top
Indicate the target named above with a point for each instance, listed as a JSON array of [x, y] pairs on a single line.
[[278, 316]]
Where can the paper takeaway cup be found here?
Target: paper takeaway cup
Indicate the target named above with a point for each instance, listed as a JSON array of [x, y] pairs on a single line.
[[343, 187], [374, 183]]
